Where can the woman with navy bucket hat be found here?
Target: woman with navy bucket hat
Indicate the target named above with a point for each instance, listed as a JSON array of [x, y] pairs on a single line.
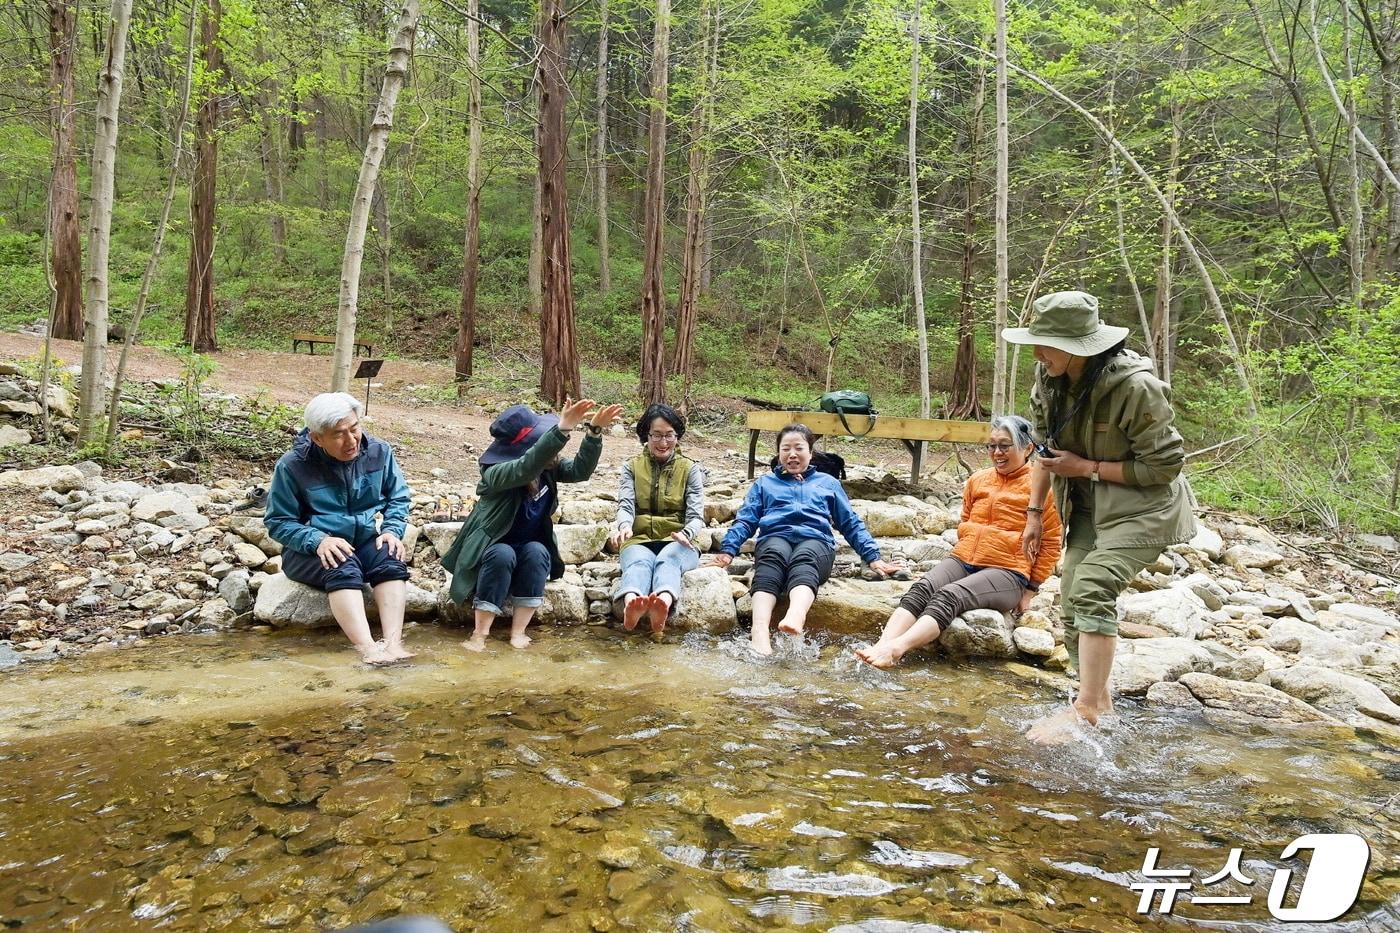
[[506, 547]]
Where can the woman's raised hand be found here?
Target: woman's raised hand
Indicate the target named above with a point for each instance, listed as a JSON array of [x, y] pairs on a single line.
[[574, 412], [606, 416]]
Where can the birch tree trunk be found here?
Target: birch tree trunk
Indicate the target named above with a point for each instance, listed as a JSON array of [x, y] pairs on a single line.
[[177, 137], [653, 387], [1001, 400], [395, 73], [104, 165], [65, 244], [1162, 338], [916, 228], [471, 249], [200, 332], [559, 373], [962, 401], [273, 163], [600, 152], [1356, 232], [1356, 134], [697, 190]]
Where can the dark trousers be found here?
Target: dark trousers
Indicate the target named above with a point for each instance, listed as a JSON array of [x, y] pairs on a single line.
[[950, 589], [779, 565], [369, 564], [519, 571]]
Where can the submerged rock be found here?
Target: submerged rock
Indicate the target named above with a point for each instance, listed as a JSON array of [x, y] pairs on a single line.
[[1257, 701]]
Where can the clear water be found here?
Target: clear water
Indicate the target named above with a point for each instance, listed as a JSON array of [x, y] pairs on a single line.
[[603, 782]]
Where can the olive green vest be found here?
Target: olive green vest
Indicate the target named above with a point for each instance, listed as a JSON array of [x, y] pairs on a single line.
[[659, 491]]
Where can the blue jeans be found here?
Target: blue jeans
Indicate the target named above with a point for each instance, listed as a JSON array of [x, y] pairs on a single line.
[[519, 571], [644, 572]]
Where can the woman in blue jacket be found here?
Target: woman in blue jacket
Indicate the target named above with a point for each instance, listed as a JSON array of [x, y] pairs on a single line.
[[793, 509]]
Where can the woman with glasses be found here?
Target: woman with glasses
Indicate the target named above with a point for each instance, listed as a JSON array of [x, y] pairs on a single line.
[[988, 569], [660, 510]]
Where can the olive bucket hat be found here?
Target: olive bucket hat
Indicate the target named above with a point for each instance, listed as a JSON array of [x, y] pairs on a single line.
[[1067, 321]]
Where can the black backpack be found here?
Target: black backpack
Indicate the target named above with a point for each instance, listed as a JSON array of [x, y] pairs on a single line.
[[830, 464]]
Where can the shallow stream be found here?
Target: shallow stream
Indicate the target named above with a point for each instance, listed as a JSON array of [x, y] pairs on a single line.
[[602, 782]]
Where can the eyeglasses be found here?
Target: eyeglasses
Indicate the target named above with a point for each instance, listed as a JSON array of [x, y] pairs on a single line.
[[1000, 448], [663, 438]]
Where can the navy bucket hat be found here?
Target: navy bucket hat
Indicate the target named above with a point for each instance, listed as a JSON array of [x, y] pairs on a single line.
[[514, 431]]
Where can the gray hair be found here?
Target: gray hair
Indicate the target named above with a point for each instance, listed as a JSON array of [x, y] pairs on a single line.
[[328, 409], [1019, 429]]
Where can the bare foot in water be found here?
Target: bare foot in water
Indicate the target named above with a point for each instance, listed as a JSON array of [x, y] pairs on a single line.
[[398, 652], [760, 644], [1059, 728], [879, 655], [788, 627], [475, 643], [374, 655], [657, 611], [632, 613], [520, 641]]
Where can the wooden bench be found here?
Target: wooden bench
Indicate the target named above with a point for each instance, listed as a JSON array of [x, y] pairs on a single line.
[[312, 339], [913, 432]]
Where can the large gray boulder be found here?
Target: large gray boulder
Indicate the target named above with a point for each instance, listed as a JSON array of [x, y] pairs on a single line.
[[1252, 700], [13, 437], [57, 478], [564, 604], [707, 602], [441, 535], [980, 633], [157, 505], [587, 512], [1334, 690], [1245, 557], [235, 591], [1176, 609], [578, 544], [284, 603], [1142, 662], [1369, 615], [854, 607], [1313, 644], [886, 520]]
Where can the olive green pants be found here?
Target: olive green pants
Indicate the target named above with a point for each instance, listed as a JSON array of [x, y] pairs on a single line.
[[1091, 580]]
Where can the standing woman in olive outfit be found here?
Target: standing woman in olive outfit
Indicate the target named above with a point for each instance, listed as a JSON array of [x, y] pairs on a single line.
[[1115, 465]]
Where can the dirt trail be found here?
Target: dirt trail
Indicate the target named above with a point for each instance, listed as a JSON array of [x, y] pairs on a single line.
[[427, 434]]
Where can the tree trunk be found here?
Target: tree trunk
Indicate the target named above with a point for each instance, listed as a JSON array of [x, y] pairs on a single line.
[[653, 387], [471, 248], [916, 229], [601, 151], [697, 184], [200, 332], [384, 227], [1001, 399], [1356, 226], [559, 371], [65, 244], [962, 399], [273, 165], [104, 164], [1162, 338], [395, 73], [1356, 134], [177, 137]]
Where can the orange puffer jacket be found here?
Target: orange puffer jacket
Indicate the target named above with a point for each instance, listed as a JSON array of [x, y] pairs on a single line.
[[993, 517]]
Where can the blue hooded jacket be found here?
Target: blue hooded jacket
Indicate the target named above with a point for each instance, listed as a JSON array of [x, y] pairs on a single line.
[[786, 506], [313, 495]]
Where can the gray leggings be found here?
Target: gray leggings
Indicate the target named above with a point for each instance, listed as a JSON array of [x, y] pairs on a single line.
[[949, 590]]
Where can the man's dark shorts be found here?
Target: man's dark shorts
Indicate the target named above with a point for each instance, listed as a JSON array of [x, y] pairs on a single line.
[[369, 564]]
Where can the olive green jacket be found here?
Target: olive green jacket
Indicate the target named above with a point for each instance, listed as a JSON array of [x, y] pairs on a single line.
[[1128, 418], [499, 495]]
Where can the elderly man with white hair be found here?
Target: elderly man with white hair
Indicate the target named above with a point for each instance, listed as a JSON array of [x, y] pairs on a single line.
[[321, 507]]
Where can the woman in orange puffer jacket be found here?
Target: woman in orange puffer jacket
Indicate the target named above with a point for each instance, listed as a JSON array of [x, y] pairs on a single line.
[[988, 569]]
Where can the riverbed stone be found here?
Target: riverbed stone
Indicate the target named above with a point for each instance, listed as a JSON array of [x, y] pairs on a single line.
[[579, 544], [886, 520], [1334, 690], [13, 437], [981, 633], [252, 529], [1036, 642], [1312, 643], [1142, 662], [386, 793], [854, 607], [564, 604], [1176, 609], [707, 602], [1245, 557], [235, 591], [57, 478], [157, 505], [1173, 695], [1254, 700], [1370, 615], [587, 512]]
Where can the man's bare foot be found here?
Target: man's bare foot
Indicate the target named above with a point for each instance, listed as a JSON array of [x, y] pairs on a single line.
[[475, 643], [879, 655], [760, 645], [788, 627], [632, 613], [374, 654], [1060, 728], [520, 641], [398, 652], [657, 611]]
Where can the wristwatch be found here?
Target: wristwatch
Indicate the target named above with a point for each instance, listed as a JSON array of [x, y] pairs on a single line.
[[1094, 476], [595, 431]]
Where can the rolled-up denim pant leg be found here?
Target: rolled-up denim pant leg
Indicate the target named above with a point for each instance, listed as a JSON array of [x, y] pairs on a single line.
[[531, 574], [493, 578], [674, 561], [638, 569]]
